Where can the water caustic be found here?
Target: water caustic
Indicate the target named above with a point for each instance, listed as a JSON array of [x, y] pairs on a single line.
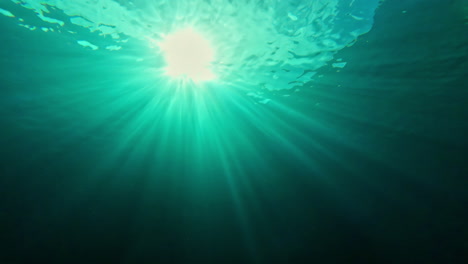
[[257, 45]]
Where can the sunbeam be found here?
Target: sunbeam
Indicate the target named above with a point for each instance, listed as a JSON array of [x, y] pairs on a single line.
[[229, 131]]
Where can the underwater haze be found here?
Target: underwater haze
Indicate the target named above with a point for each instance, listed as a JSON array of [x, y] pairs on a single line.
[[233, 131]]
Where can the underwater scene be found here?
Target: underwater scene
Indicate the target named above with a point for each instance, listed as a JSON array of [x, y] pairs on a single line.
[[233, 131]]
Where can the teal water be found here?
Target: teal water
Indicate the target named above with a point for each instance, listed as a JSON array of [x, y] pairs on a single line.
[[328, 131]]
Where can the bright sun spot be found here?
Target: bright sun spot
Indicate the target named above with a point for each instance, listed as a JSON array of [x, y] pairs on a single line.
[[188, 54]]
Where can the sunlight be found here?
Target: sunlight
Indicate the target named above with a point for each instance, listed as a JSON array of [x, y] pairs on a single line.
[[188, 54]]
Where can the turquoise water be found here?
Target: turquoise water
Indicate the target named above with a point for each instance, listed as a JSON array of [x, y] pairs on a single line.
[[286, 132]]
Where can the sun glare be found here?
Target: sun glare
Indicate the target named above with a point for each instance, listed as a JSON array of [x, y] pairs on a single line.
[[188, 54]]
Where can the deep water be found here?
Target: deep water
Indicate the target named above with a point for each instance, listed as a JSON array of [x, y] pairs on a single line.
[[290, 156]]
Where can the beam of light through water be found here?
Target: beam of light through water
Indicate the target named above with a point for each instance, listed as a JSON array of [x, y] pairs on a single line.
[[185, 80], [186, 87], [206, 129]]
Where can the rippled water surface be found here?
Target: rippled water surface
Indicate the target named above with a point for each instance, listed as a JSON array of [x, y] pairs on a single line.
[[258, 45]]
